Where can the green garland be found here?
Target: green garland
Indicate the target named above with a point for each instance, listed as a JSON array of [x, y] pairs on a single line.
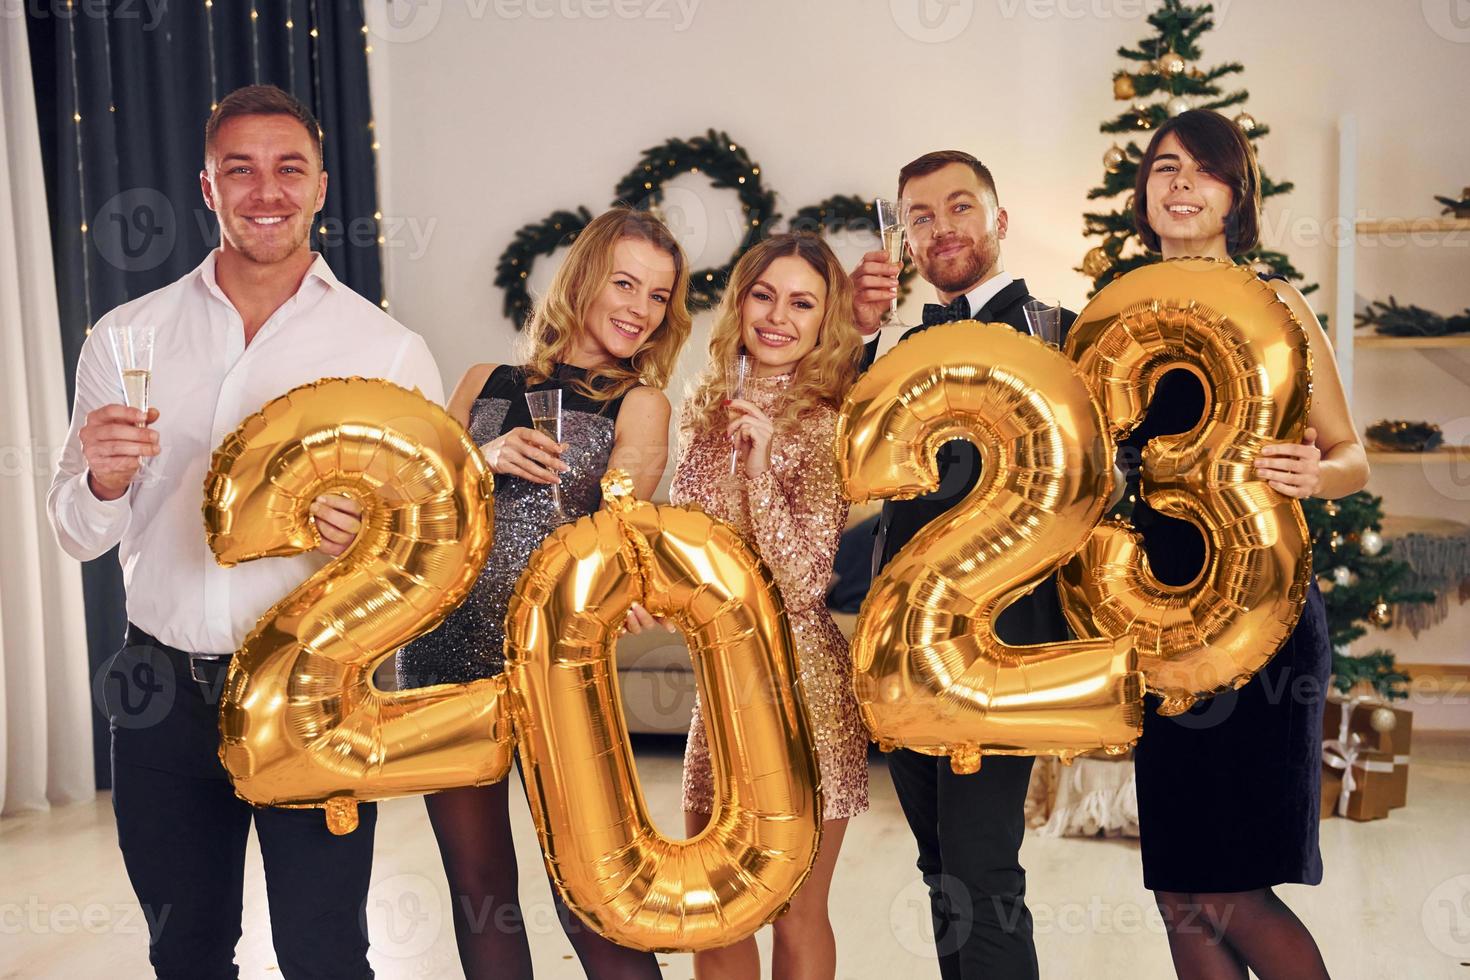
[[531, 241], [849, 213], [727, 165], [1411, 321], [1402, 436], [1460, 208]]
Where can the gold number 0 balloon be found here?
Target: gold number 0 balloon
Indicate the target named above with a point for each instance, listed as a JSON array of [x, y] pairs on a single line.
[[301, 723], [632, 884], [1219, 321], [930, 672]]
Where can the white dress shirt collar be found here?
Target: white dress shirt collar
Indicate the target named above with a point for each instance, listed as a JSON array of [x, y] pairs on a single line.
[[987, 290]]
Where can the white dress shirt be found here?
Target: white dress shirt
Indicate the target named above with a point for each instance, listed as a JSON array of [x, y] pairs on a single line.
[[205, 382], [987, 290]]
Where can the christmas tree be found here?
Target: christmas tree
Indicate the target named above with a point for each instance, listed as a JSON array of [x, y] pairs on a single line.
[[1162, 81], [1361, 582]]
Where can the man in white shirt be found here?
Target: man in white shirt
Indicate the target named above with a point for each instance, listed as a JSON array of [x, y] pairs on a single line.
[[969, 828], [261, 315]]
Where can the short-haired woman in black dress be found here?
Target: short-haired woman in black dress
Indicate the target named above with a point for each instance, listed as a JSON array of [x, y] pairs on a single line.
[[1229, 792]]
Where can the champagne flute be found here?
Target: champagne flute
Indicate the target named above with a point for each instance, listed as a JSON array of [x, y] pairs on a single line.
[[1045, 320], [893, 219], [132, 349], [739, 368], [545, 409]]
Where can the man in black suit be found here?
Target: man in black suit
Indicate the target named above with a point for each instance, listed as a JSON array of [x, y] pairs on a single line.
[[969, 828]]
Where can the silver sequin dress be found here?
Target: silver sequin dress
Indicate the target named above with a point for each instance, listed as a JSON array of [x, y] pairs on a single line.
[[470, 643]]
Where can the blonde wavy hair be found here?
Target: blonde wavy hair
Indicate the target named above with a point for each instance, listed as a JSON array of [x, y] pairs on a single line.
[[820, 378], [559, 315]]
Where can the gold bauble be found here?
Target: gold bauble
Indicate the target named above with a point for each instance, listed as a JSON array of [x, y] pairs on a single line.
[[1332, 508], [1113, 158], [1381, 615], [1246, 122], [1383, 720], [1325, 584], [1096, 262], [1171, 63], [1123, 89], [1335, 541]]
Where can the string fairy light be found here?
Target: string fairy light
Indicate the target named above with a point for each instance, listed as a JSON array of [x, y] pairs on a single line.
[[376, 145], [213, 73], [76, 120]]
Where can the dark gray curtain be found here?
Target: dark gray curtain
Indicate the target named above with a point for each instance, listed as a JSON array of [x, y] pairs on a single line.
[[123, 182]]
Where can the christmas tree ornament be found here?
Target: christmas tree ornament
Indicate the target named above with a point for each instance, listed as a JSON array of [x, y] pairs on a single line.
[[1335, 541], [1342, 575], [1383, 720], [1371, 542], [1148, 68], [1246, 122], [1332, 508], [1381, 615], [1171, 64], [1176, 105], [1096, 262], [1325, 585], [1123, 88], [1128, 203], [1113, 158]]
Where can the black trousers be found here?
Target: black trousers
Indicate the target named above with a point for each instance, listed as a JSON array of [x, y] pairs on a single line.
[[969, 831], [182, 831]]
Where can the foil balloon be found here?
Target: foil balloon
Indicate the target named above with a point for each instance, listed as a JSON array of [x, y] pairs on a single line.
[[301, 723], [630, 883], [1225, 325], [930, 672]]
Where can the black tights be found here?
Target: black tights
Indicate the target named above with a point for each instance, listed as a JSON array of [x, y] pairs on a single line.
[[1220, 935], [472, 826]]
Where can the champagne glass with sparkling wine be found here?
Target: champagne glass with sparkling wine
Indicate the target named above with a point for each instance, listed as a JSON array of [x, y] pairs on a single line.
[[736, 372], [132, 348], [545, 409], [893, 219]]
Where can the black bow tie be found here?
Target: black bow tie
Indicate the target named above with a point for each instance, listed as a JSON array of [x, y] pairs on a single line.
[[959, 309]]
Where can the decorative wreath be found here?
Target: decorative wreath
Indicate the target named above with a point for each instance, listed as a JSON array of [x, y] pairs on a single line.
[[727, 165], [538, 238]]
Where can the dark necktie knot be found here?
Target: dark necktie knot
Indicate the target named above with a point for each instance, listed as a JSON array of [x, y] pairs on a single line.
[[958, 309]]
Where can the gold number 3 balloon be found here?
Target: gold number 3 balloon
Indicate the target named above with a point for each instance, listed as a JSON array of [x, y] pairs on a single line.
[[301, 723], [930, 672], [631, 883], [1220, 322]]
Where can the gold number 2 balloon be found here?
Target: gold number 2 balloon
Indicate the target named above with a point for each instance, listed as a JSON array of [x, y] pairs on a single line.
[[1220, 322], [931, 674], [301, 723], [628, 881]]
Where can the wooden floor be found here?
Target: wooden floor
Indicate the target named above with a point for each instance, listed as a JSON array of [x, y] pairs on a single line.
[[1391, 905]]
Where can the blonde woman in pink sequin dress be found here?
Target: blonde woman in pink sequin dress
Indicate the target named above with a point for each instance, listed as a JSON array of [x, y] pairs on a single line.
[[789, 306]]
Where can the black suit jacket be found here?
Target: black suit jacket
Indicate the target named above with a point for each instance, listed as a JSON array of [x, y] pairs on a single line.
[[1035, 617]]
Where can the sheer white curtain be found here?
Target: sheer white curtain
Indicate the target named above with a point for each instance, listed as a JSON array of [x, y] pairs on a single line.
[[45, 700]]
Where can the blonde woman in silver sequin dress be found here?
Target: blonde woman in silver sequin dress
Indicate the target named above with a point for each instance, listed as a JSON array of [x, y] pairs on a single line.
[[789, 306], [607, 333]]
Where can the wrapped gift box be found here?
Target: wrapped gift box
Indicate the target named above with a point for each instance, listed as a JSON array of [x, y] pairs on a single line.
[[1392, 745], [1380, 759]]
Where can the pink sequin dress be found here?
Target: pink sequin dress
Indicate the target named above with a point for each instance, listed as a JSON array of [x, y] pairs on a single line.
[[792, 515]]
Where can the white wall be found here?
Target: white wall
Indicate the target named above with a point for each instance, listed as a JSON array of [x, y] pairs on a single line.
[[493, 114]]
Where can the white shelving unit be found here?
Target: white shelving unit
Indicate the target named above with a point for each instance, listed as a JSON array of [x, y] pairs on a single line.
[[1346, 339]]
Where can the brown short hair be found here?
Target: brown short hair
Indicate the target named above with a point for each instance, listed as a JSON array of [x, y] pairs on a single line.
[[1222, 148], [262, 100], [930, 162]]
